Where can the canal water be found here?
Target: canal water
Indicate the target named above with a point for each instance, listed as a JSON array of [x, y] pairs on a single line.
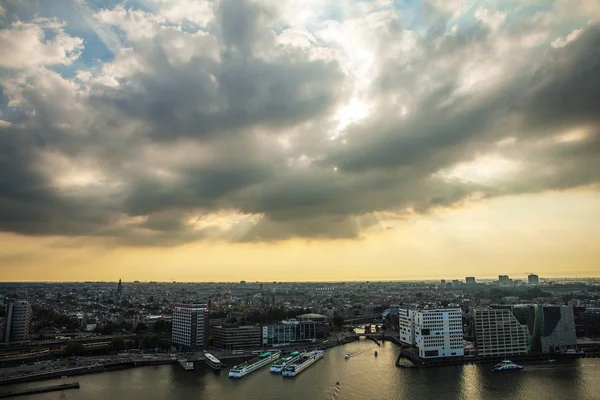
[[362, 376]]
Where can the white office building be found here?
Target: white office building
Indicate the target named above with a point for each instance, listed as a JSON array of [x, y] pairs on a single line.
[[438, 333], [406, 326], [190, 326]]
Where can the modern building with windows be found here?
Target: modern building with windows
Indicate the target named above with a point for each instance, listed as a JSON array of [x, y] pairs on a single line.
[[293, 331], [499, 333], [438, 333], [190, 326], [470, 280], [533, 279], [18, 320], [233, 336]]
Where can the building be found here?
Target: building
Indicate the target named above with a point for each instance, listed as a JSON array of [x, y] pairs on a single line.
[[498, 333], [533, 279], [18, 320], [503, 279], [438, 333], [293, 331], [455, 282], [470, 280], [406, 326], [190, 326], [557, 328], [587, 322], [233, 336]]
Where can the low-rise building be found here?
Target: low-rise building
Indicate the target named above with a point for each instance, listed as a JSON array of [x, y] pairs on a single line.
[[233, 336]]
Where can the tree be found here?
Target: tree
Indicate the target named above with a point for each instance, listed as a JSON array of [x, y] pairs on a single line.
[[162, 326], [337, 321], [141, 327], [74, 349], [117, 344]]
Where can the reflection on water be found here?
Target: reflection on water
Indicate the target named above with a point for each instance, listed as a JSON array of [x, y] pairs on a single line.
[[361, 376]]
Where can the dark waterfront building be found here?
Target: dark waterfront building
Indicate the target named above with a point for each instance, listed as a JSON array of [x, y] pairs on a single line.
[[293, 331], [233, 336]]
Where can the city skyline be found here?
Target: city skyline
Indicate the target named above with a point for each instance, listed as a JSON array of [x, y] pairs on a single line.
[[300, 141]]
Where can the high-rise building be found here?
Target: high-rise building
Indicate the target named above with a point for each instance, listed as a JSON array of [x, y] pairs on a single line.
[[470, 280], [499, 333], [503, 279], [232, 337], [190, 326], [18, 320], [533, 279], [438, 333]]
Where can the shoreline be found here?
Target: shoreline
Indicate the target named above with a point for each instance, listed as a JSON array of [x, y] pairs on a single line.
[[114, 366]]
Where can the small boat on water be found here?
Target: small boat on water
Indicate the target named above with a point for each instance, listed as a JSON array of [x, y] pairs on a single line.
[[551, 361], [376, 354], [507, 365], [347, 356]]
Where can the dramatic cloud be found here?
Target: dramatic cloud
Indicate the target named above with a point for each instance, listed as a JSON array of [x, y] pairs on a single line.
[[262, 121]]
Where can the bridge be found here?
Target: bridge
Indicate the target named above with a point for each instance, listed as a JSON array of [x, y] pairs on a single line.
[[362, 319]]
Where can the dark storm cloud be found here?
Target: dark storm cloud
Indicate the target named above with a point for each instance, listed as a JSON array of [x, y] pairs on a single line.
[[237, 96]]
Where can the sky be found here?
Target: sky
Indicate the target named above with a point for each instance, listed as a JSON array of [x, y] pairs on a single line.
[[302, 140]]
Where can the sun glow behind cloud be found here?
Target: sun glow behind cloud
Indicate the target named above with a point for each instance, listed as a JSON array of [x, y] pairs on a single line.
[[289, 136]]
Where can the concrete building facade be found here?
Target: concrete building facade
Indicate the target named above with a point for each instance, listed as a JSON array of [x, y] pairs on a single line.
[[557, 329], [406, 325], [17, 324], [190, 326], [498, 333]]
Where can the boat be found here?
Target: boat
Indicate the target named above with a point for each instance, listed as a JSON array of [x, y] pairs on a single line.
[[376, 354], [284, 360], [212, 361], [239, 371], [552, 360], [303, 362], [507, 365], [187, 365], [347, 356]]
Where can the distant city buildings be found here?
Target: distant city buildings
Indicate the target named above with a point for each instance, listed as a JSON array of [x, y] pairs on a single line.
[[470, 280], [18, 320], [190, 326], [533, 279], [503, 279]]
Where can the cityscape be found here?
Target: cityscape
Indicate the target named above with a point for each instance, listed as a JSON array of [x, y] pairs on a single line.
[[300, 199], [52, 330]]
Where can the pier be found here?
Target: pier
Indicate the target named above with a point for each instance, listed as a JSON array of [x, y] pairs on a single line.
[[43, 389]]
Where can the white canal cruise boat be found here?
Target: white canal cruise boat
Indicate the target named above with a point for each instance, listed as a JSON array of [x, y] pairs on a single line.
[[303, 362], [239, 371], [284, 360]]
